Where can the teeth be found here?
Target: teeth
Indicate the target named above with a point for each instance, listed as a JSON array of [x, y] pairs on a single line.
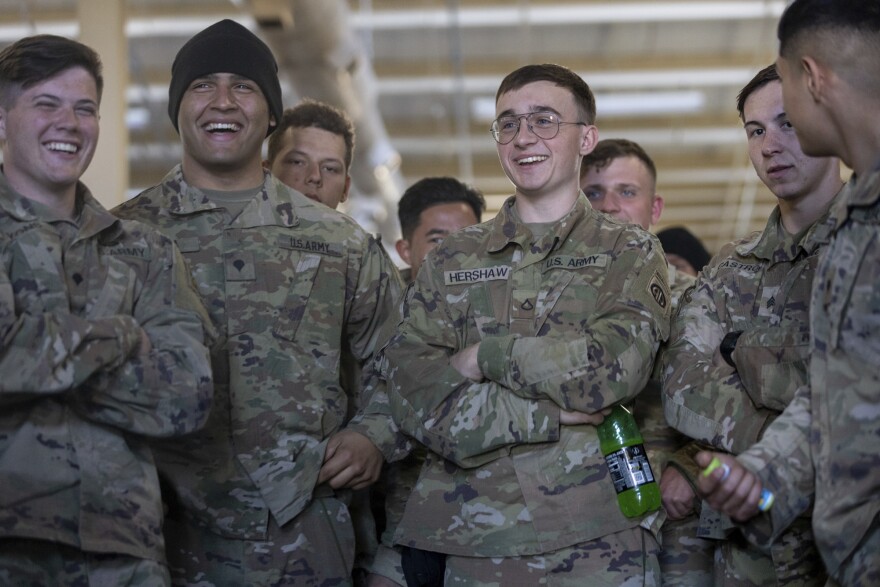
[[534, 159], [230, 126], [66, 147]]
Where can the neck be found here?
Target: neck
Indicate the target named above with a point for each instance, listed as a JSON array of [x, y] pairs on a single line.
[[62, 200], [798, 214], [547, 208], [222, 178]]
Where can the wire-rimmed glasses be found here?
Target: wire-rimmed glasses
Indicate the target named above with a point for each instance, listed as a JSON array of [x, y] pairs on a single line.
[[544, 125]]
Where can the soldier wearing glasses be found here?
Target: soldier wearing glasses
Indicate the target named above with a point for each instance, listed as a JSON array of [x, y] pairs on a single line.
[[518, 335]]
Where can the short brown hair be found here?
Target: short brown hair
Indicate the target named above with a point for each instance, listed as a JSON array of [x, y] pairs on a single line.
[[311, 113], [608, 150], [763, 77], [555, 74]]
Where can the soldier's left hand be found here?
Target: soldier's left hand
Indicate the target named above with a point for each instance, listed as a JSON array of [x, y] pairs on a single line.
[[677, 494], [351, 461]]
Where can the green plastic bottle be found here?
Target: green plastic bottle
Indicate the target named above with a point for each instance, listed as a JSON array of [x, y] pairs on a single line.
[[621, 443]]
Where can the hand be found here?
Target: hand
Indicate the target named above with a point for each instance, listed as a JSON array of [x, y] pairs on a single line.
[[465, 362], [731, 488], [572, 418], [351, 461], [677, 494]]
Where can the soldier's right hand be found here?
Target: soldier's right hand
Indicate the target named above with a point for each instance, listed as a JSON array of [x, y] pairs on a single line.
[[731, 488]]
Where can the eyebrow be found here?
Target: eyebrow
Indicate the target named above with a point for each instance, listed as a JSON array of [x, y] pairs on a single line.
[[532, 110], [777, 118], [434, 231]]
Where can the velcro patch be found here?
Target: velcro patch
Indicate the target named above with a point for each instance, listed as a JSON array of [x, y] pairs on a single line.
[[659, 291], [567, 262], [463, 276], [309, 245]]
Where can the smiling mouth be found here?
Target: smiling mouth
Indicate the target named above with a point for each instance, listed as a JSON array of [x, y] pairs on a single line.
[[777, 169], [62, 147], [222, 127], [532, 159]]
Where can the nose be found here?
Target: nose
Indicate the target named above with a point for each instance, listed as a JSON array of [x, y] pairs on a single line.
[[224, 98], [67, 118], [610, 203], [524, 133], [313, 173], [772, 143]]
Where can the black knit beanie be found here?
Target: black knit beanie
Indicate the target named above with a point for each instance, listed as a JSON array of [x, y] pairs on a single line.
[[225, 47], [679, 241]]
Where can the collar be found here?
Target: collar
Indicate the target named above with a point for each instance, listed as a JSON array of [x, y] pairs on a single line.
[[271, 206], [508, 229]]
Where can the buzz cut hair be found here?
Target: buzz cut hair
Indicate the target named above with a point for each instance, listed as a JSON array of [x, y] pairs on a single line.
[[312, 113], [608, 150], [433, 191]]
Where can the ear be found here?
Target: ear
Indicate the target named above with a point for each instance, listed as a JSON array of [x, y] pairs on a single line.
[[589, 138], [656, 208], [403, 250], [345, 191], [816, 77]]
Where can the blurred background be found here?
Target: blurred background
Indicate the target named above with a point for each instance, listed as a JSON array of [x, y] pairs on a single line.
[[418, 77]]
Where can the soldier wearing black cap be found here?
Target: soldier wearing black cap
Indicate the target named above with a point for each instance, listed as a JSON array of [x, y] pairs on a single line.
[[261, 496]]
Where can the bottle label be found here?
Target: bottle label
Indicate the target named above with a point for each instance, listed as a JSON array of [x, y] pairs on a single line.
[[629, 467]]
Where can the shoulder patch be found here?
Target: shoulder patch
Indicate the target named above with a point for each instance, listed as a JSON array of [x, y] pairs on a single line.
[[659, 291]]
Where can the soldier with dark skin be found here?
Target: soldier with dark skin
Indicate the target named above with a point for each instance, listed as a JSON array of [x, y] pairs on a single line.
[[738, 347], [261, 495], [101, 341], [823, 451], [518, 336]]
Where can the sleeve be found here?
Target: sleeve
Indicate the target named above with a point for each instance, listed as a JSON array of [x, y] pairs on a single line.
[[783, 462], [611, 362], [703, 397], [373, 309], [467, 423], [55, 352], [167, 389]]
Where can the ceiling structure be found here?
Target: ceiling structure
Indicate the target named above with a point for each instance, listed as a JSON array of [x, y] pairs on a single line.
[[419, 78]]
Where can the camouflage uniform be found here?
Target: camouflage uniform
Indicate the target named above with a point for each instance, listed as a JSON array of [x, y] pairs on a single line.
[[570, 320], [761, 287], [291, 285], [824, 447], [80, 391]]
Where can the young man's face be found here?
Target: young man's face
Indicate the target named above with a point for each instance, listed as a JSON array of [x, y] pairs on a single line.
[[543, 167], [774, 148], [624, 189], [435, 223], [312, 161], [50, 133], [223, 120]]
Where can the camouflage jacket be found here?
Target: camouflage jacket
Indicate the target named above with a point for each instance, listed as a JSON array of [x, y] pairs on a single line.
[[571, 321], [824, 446], [80, 392], [291, 285], [760, 286]]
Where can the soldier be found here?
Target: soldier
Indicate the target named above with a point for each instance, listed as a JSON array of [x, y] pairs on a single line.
[[101, 341], [683, 250], [518, 335], [823, 450], [739, 345], [260, 496], [620, 178], [429, 211], [311, 151]]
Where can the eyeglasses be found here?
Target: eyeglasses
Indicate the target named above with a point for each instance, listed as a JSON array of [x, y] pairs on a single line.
[[544, 125]]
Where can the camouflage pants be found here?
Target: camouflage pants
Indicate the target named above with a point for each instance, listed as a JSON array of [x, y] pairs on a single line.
[[37, 563], [316, 548], [624, 559], [685, 559], [387, 564]]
